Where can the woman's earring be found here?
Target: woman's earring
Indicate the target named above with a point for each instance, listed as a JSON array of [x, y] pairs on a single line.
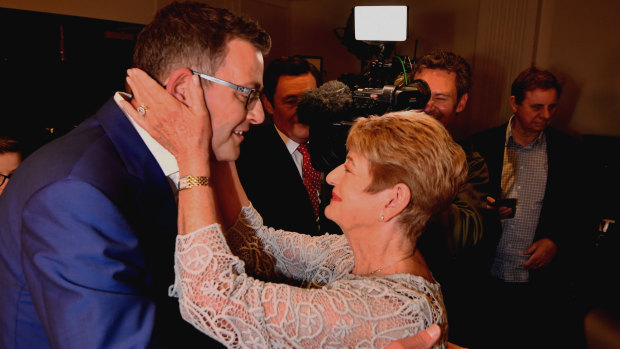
[[381, 218]]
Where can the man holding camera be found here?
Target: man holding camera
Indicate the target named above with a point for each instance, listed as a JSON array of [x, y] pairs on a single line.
[[458, 244], [287, 191]]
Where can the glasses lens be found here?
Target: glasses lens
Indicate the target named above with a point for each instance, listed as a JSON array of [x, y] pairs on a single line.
[[252, 98]]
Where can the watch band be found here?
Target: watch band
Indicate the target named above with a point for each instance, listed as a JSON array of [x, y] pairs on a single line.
[[187, 182]]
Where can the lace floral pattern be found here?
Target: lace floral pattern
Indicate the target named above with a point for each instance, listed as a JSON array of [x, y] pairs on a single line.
[[337, 310]]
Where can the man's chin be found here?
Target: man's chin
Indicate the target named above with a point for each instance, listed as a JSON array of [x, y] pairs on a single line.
[[301, 133], [227, 154]]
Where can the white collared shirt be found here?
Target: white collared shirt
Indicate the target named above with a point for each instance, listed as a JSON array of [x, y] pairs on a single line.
[[291, 145], [164, 158]]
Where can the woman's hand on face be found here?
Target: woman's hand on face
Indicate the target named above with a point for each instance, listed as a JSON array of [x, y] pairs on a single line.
[[184, 128]]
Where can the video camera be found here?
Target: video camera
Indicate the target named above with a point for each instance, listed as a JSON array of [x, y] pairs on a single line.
[[330, 109]]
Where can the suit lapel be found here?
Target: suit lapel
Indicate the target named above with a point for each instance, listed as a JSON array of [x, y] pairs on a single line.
[[155, 194], [283, 162]]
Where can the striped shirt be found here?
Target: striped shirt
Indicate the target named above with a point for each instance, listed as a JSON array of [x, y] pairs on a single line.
[[524, 176]]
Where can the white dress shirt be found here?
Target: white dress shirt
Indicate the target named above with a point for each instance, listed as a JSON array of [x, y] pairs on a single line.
[[291, 145]]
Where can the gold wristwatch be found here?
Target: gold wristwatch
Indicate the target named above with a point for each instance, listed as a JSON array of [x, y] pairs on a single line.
[[187, 182]]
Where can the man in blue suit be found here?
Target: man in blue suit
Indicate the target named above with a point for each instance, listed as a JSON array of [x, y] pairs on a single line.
[[88, 222]]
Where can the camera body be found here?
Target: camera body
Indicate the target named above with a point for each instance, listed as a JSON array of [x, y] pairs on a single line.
[[331, 109], [378, 101]]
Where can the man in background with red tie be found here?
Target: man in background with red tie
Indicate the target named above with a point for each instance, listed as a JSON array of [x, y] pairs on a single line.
[[274, 166]]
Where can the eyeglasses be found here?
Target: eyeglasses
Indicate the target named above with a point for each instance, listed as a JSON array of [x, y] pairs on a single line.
[[253, 94], [4, 178]]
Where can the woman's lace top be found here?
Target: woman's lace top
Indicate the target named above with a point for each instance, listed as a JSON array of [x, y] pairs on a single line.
[[335, 309]]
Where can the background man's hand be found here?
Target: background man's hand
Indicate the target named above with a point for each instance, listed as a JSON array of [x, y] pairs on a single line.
[[542, 253], [503, 211]]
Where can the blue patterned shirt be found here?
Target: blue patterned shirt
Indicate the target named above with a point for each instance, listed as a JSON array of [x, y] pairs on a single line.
[[524, 176]]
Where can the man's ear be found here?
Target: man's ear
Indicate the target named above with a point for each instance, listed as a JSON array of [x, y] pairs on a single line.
[[398, 199], [267, 104], [178, 82], [462, 102], [513, 104]]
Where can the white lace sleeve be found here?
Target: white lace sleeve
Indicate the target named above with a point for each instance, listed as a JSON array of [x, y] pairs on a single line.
[[218, 298], [314, 259]]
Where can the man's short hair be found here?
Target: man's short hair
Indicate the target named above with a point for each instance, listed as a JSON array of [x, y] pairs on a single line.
[[193, 35], [291, 65], [531, 79], [10, 145], [449, 61]]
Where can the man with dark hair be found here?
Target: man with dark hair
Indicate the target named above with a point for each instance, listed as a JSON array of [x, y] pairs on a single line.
[[11, 155], [537, 167], [274, 166], [457, 243], [88, 223]]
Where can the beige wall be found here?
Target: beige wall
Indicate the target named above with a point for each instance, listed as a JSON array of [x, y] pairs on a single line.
[[433, 23], [576, 40], [584, 48], [132, 11]]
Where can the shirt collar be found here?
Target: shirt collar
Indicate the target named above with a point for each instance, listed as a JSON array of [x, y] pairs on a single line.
[[539, 140], [291, 145], [164, 158]]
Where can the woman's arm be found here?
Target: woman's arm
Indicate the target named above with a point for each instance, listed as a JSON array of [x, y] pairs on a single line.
[[312, 260], [218, 298]]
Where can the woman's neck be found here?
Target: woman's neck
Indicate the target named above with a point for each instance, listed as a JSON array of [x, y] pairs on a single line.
[[385, 252]]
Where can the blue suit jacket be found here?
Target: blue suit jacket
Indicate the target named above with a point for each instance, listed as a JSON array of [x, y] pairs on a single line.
[[87, 234]]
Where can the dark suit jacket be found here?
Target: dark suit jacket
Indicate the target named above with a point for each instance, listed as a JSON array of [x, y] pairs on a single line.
[[560, 216], [273, 184], [87, 236]]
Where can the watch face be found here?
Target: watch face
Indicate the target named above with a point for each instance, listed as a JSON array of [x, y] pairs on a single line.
[[182, 183]]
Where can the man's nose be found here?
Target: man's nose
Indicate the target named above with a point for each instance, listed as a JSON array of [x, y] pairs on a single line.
[[256, 115], [429, 107]]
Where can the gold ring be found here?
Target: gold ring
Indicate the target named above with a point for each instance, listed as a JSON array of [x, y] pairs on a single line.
[[142, 109]]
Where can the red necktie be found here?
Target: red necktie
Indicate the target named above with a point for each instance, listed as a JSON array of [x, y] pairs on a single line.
[[312, 178]]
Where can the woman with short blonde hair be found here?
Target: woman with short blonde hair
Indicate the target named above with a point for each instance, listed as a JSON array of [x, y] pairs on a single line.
[[433, 173]]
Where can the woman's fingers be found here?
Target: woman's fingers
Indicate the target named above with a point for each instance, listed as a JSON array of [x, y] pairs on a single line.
[[197, 98], [127, 107], [198, 105], [179, 126], [144, 88]]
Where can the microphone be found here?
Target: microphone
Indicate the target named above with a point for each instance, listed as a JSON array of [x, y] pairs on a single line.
[[328, 110], [331, 102]]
